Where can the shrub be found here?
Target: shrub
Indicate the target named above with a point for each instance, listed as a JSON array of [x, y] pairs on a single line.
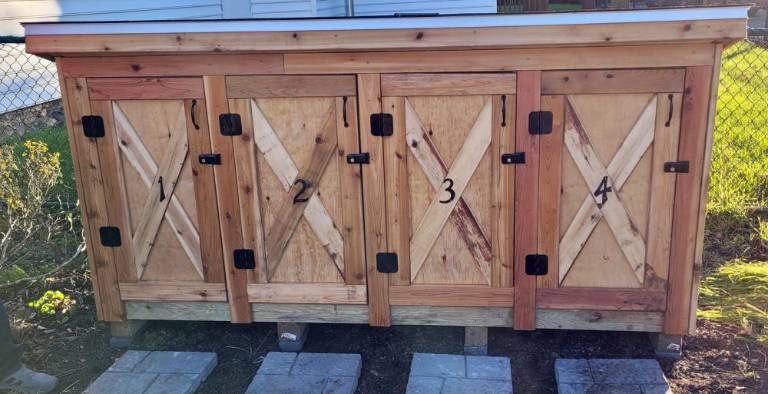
[[51, 303]]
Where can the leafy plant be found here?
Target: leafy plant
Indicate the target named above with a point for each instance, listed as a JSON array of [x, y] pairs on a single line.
[[52, 302]]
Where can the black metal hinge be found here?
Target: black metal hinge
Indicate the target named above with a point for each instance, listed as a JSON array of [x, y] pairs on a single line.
[[110, 237], [381, 125], [210, 158], [513, 158], [359, 158], [536, 264], [93, 126], [676, 166], [245, 259], [386, 263], [540, 122], [230, 124]]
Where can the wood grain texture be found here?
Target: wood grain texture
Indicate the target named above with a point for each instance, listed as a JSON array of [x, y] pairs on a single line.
[[599, 320], [641, 56], [526, 199], [591, 34], [228, 201], [503, 224], [199, 140], [171, 65], [467, 295], [375, 208], [85, 151], [550, 179], [693, 134], [315, 293], [446, 84], [265, 86], [612, 81], [602, 299], [145, 88], [451, 316], [662, 190], [173, 291]]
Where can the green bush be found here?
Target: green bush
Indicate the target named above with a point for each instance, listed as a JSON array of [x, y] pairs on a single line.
[[52, 303]]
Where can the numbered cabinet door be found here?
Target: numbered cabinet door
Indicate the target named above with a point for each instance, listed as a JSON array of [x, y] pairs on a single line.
[[619, 129], [161, 200], [449, 196], [301, 200]]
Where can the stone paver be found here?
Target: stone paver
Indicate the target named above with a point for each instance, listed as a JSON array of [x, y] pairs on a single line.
[[307, 373], [140, 372], [454, 374], [580, 376]]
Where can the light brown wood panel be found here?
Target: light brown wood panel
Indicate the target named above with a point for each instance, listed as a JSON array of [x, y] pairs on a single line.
[[503, 193], [375, 208], [171, 65], [467, 295], [612, 81], [602, 299], [526, 199], [550, 179], [693, 134], [265, 86], [227, 198], [315, 293], [641, 56], [104, 276], [599, 320], [726, 30], [145, 88], [446, 84], [173, 291]]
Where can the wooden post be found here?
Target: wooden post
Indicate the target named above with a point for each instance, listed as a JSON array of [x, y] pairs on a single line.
[[476, 341], [292, 336], [124, 332], [667, 346]]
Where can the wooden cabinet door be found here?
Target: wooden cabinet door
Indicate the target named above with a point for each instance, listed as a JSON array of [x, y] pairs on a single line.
[[300, 201], [157, 194], [613, 217], [449, 197]]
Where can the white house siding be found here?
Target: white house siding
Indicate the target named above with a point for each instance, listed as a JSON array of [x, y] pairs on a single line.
[[282, 8], [389, 7], [331, 7]]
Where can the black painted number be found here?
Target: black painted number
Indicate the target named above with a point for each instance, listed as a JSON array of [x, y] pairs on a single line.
[[299, 197], [602, 191], [449, 189]]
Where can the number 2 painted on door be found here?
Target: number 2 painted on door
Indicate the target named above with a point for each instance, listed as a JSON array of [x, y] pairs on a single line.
[[602, 191], [450, 190]]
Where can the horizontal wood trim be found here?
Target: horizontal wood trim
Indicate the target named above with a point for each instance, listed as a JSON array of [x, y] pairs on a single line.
[[613, 81], [264, 86], [319, 293], [145, 88], [451, 296], [640, 56], [447, 84], [402, 315], [724, 30], [602, 299], [599, 320], [171, 65], [173, 291]]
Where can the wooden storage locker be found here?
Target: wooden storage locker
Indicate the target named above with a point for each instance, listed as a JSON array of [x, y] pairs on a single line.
[[495, 170]]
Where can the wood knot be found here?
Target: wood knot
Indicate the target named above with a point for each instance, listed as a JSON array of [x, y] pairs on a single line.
[[135, 67], [609, 75], [178, 38], [319, 139], [420, 35], [595, 317], [687, 27]]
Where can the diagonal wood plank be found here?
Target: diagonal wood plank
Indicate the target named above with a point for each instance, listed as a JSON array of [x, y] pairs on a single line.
[[624, 161], [285, 169], [433, 165], [471, 153], [624, 229], [290, 210], [171, 209]]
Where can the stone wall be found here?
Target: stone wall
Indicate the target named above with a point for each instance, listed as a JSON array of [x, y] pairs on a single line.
[[21, 121]]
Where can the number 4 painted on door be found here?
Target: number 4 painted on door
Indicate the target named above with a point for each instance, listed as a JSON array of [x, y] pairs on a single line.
[[602, 191]]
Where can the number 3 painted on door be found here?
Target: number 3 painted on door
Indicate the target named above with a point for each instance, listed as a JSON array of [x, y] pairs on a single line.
[[450, 190]]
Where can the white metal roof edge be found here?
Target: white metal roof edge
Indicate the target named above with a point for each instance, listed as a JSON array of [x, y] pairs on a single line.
[[387, 23]]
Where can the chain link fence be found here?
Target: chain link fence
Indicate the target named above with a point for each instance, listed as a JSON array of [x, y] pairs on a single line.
[[25, 80]]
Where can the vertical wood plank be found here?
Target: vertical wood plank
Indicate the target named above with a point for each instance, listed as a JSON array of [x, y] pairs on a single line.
[[526, 199], [225, 176], [550, 178], [351, 193], [244, 150], [693, 130], [94, 208], [199, 141], [398, 193], [115, 193], [369, 96], [659, 231], [503, 224]]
